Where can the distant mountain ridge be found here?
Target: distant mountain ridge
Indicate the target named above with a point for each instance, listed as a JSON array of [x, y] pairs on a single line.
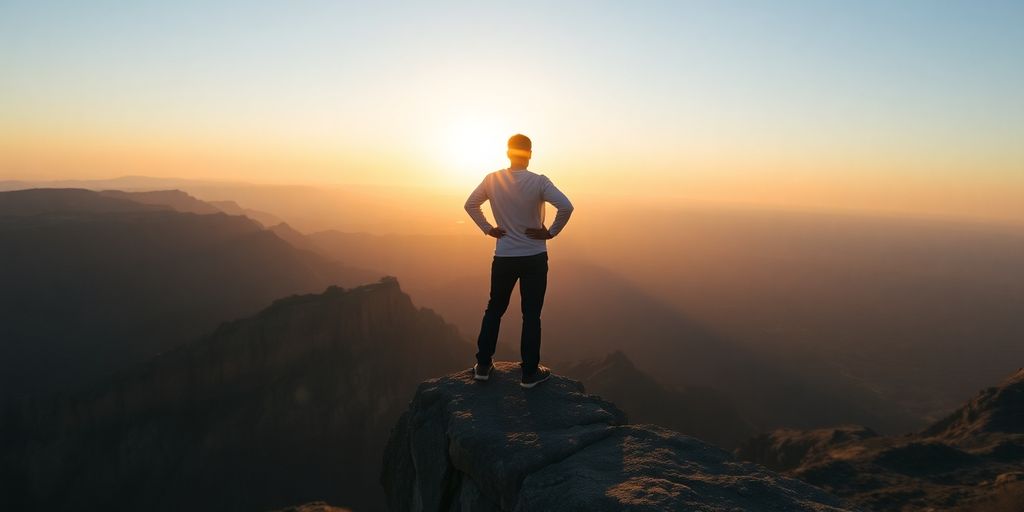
[[177, 200], [150, 191], [233, 208], [94, 281], [181, 201], [32, 202]]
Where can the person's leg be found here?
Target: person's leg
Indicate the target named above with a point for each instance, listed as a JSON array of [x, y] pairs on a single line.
[[533, 282], [503, 279]]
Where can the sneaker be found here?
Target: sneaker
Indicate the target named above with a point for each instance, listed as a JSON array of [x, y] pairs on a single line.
[[482, 372], [542, 374]]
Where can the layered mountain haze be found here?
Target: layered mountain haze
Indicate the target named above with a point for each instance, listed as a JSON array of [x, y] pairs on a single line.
[[94, 282], [901, 317], [797, 293], [298, 240], [310, 208], [290, 406], [181, 201], [591, 311], [233, 208], [711, 322], [176, 200], [25, 204]]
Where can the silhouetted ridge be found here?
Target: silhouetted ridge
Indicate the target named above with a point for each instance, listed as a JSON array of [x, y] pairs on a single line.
[[93, 284], [233, 208], [996, 409], [40, 201], [297, 239], [291, 405], [964, 460], [470, 446], [175, 199]]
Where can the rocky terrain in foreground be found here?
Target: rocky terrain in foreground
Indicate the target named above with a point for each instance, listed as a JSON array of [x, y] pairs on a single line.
[[971, 460], [316, 506], [470, 446]]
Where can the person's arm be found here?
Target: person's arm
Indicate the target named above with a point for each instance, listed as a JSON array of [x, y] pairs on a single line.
[[473, 208], [561, 203]]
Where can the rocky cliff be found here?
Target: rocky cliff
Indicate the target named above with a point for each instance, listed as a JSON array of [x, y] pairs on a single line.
[[973, 457], [289, 406], [469, 446]]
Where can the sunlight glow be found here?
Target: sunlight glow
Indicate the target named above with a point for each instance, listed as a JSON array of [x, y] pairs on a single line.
[[472, 148]]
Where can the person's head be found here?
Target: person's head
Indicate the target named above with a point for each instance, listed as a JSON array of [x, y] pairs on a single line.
[[519, 150]]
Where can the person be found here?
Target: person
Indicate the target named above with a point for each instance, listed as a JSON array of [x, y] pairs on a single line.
[[517, 198]]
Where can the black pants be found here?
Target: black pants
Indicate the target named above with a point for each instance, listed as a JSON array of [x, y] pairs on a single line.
[[532, 274]]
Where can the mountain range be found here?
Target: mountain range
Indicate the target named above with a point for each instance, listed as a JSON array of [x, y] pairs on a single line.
[[115, 375], [895, 320], [291, 405], [162, 267], [97, 281]]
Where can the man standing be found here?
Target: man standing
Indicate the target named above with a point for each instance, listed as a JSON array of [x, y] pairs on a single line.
[[517, 199]]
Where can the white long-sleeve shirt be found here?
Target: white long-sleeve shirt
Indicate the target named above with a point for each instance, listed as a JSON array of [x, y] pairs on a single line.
[[517, 201]]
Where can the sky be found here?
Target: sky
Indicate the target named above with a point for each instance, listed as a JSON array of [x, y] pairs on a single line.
[[911, 106]]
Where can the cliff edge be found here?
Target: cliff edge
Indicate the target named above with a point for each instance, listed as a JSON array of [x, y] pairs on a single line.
[[492, 446]]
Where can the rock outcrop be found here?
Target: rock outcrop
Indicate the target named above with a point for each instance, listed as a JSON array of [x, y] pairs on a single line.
[[785, 449], [471, 446], [996, 410], [970, 458], [316, 506]]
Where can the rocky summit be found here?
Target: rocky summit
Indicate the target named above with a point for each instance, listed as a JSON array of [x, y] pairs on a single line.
[[491, 446]]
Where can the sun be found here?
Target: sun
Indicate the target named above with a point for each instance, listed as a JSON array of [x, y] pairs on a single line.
[[474, 148]]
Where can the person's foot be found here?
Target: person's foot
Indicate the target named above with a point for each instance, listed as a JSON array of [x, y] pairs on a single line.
[[542, 374], [482, 372]]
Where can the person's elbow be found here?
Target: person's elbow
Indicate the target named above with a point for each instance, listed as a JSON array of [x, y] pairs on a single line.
[[566, 208]]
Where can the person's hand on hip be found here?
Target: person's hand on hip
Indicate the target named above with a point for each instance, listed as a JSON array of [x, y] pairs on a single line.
[[540, 233]]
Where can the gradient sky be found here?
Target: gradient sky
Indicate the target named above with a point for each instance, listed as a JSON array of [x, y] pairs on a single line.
[[911, 106]]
